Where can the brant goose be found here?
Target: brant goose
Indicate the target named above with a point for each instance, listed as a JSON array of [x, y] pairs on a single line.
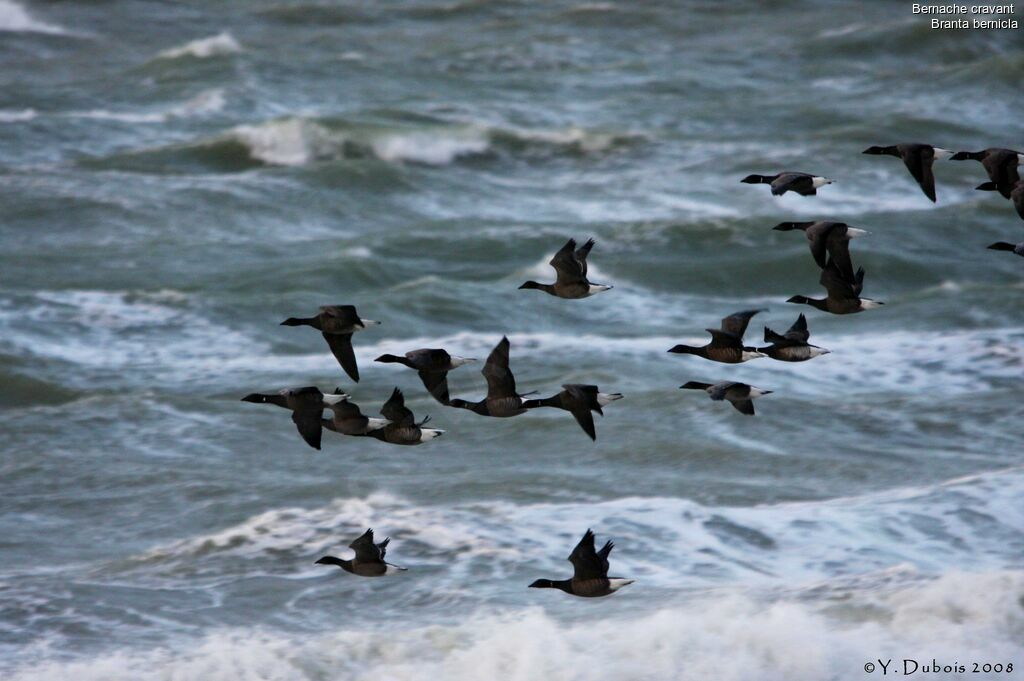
[[843, 293], [337, 323], [1001, 166], [347, 419], [726, 344], [579, 400], [792, 346], [570, 265], [402, 428], [307, 407], [590, 572], [432, 365], [1005, 246], [369, 558], [502, 399], [803, 184], [827, 239], [918, 158], [739, 395]]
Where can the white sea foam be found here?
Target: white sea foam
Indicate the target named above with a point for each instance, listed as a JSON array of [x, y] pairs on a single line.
[[731, 636], [221, 44], [431, 147], [16, 116], [15, 18], [664, 542]]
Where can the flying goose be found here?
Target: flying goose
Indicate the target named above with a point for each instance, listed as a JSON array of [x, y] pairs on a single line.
[[502, 399], [570, 265], [726, 344], [803, 184], [347, 419], [827, 239], [590, 572], [432, 365], [402, 428], [792, 346], [337, 323], [918, 158], [369, 558], [579, 400], [1001, 166], [739, 395], [843, 293], [307, 407]]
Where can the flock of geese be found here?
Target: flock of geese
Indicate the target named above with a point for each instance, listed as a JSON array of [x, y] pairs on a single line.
[[829, 245]]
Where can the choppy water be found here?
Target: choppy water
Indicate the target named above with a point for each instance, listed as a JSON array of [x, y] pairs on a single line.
[[175, 179]]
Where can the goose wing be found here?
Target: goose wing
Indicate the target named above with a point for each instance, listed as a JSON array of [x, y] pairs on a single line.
[[341, 347], [308, 423], [587, 562], [799, 332], [366, 550], [568, 265], [500, 381], [836, 284], [919, 163], [436, 383], [736, 323], [582, 402], [394, 410]]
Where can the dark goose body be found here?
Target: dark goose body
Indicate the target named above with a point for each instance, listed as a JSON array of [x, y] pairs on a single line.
[[368, 560], [347, 419], [726, 344], [307, 407], [502, 400], [792, 346], [337, 323], [1002, 166], [843, 294], [918, 158], [804, 184], [590, 572], [580, 401], [827, 240], [432, 365], [570, 265], [739, 395], [402, 427]]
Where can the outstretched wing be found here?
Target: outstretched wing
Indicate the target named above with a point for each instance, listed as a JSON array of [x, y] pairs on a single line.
[[308, 424], [500, 381], [436, 383], [581, 256], [567, 264], [588, 563], [835, 283], [366, 550], [341, 347], [394, 410], [920, 168], [723, 339], [799, 332], [736, 323], [383, 547], [744, 406]]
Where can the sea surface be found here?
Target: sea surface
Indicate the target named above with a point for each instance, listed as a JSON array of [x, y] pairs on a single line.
[[177, 178]]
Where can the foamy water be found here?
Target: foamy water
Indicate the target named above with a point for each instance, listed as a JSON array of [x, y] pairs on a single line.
[[177, 178]]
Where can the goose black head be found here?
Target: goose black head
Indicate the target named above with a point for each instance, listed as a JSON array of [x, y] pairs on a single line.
[[532, 285], [255, 397]]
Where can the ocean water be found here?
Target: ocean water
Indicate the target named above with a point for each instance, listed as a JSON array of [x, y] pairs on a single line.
[[177, 178]]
